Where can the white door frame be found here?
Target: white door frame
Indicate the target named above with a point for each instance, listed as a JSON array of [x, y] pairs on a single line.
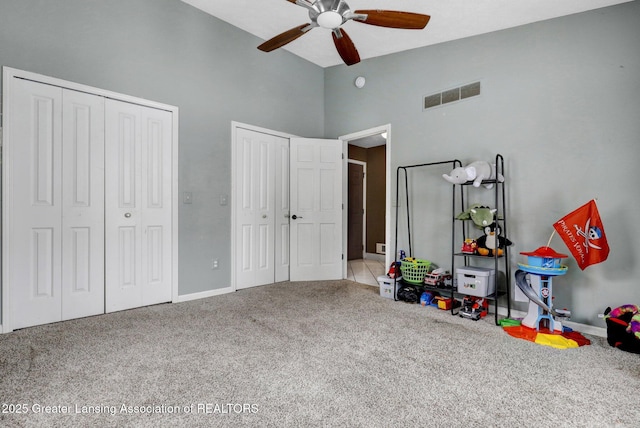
[[345, 138], [364, 203], [8, 74], [388, 257]]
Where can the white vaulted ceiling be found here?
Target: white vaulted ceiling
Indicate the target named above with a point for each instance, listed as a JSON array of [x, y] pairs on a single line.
[[450, 20]]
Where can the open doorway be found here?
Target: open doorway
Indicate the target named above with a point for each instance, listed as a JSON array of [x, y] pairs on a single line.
[[356, 208], [366, 206]]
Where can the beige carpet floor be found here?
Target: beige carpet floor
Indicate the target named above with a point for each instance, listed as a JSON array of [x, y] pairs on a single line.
[[319, 354]]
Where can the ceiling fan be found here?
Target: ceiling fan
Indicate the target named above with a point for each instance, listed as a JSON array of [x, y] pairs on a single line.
[[331, 14]]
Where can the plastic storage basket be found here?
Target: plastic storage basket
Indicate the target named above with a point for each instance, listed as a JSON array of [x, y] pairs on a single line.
[[414, 270]]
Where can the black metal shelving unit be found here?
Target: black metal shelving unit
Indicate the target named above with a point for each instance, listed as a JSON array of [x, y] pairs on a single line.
[[459, 231], [457, 237]]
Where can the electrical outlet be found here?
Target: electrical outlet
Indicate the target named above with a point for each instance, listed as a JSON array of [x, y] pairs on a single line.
[[214, 264]]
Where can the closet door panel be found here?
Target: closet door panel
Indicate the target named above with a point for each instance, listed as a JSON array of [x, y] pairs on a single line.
[[33, 204], [82, 205], [255, 184], [156, 175], [138, 211], [281, 253], [123, 275]]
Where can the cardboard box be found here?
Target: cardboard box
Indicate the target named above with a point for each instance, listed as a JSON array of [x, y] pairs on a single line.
[[476, 281]]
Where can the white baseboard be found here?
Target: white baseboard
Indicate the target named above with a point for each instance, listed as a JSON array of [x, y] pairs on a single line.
[[203, 294], [582, 328]]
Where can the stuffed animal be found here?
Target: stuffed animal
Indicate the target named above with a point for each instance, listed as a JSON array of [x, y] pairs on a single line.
[[480, 215], [491, 243], [623, 328], [476, 172]]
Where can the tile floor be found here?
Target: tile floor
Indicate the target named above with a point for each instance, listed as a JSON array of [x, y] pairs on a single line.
[[365, 271]]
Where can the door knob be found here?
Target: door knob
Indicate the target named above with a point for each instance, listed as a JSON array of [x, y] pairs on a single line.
[[295, 217], [127, 215], [264, 216]]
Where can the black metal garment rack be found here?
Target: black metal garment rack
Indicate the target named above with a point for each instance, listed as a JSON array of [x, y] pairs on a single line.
[[454, 163], [500, 215]]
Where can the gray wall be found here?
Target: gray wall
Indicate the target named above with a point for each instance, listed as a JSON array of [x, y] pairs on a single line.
[[560, 101], [167, 51]]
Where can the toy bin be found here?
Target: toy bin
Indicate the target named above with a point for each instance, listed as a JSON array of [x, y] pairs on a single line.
[[414, 270], [476, 281], [386, 286]]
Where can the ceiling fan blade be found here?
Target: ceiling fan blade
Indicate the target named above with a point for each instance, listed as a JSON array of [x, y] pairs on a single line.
[[284, 38], [393, 19], [345, 47], [304, 3]]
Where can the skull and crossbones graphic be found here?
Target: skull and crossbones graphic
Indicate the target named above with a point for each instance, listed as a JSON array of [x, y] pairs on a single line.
[[590, 233]]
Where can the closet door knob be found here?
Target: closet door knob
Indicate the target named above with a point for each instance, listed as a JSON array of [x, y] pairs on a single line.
[[127, 215], [264, 216], [295, 217]]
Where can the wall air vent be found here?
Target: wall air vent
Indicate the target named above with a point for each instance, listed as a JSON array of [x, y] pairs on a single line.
[[451, 95]]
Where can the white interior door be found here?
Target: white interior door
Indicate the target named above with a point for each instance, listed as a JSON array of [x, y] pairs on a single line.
[[256, 179], [138, 193], [53, 239], [56, 201], [316, 170]]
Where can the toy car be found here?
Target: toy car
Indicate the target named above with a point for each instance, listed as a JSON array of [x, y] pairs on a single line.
[[469, 246], [433, 279], [438, 279], [474, 307]]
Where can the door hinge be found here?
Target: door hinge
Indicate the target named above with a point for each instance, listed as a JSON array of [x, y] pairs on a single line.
[[343, 257]]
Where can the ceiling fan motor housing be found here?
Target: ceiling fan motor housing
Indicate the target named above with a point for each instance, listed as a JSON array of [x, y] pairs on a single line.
[[329, 14]]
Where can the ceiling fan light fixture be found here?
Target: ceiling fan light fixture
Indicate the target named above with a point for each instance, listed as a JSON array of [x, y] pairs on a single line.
[[331, 14], [329, 20]]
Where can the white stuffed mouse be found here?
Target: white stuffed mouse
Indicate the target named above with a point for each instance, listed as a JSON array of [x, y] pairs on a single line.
[[476, 172]]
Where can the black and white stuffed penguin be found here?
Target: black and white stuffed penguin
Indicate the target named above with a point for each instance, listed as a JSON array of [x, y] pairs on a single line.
[[491, 242]]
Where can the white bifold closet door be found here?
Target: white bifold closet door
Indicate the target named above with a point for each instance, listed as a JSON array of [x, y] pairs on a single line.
[[88, 204], [56, 202], [137, 206], [262, 208]]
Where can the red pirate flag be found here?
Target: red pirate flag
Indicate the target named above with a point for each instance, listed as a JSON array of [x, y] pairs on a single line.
[[583, 233]]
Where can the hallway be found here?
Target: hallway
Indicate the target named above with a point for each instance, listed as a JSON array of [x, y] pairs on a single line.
[[365, 271]]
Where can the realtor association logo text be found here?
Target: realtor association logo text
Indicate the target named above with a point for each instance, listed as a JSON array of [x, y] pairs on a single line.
[[196, 408]]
